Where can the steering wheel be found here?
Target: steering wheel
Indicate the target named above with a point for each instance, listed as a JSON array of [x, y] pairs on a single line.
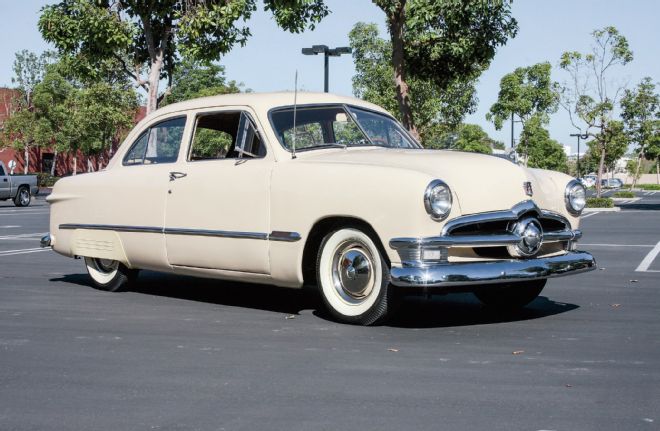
[[380, 141]]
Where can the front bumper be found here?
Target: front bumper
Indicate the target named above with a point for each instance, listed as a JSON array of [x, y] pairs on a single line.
[[488, 272]]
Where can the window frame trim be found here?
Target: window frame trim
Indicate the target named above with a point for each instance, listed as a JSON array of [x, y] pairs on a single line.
[[147, 130], [229, 110]]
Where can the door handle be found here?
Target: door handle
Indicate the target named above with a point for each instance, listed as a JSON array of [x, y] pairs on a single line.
[[4, 180], [177, 175]]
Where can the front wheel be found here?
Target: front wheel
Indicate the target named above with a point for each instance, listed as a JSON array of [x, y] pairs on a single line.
[[23, 197], [354, 278], [109, 275], [510, 296]]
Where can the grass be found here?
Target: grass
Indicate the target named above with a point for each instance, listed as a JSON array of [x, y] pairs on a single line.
[[623, 194], [600, 203], [648, 186]]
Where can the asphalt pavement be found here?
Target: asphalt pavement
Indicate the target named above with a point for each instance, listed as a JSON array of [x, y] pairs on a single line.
[[179, 353]]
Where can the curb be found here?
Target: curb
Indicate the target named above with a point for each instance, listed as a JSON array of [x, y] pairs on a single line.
[[594, 210]]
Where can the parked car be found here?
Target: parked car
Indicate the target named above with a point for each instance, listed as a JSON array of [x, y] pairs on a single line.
[[587, 181], [18, 188], [611, 183], [330, 191]]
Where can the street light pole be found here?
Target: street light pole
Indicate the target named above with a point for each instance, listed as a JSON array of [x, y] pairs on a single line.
[[579, 136], [327, 52]]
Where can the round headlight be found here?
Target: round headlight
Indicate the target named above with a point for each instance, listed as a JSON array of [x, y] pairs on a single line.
[[437, 200], [575, 197]]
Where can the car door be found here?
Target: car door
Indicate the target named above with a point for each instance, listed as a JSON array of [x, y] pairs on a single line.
[[5, 185], [217, 211]]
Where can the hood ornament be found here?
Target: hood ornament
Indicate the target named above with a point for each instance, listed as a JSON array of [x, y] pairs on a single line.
[[527, 186]]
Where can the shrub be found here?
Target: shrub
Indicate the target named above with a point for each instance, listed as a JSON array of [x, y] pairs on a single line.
[[600, 203], [44, 179], [648, 186], [623, 194]]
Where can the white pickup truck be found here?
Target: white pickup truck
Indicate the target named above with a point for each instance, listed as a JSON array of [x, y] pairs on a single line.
[[18, 188]]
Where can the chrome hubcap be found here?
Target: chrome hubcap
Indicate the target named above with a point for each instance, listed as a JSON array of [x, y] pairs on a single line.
[[25, 197], [352, 271], [106, 265]]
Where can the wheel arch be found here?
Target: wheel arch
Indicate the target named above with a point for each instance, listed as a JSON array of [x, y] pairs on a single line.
[[326, 225]]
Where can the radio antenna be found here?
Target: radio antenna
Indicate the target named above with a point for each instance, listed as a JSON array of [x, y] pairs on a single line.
[[295, 106]]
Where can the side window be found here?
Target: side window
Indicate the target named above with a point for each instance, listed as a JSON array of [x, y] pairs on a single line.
[[2, 171], [225, 135], [159, 144]]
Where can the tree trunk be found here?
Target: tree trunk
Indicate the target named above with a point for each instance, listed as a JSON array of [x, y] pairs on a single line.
[[52, 167], [657, 171], [152, 95], [601, 165], [75, 164], [639, 163], [26, 161], [90, 167], [396, 25]]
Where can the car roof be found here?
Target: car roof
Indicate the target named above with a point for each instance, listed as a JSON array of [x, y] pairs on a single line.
[[264, 101]]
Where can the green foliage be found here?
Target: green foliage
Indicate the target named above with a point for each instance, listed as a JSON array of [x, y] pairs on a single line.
[[45, 179], [449, 40], [588, 95], [649, 186], [137, 37], [623, 194], [539, 150], [525, 92], [447, 43], [600, 203], [194, 79], [465, 137], [373, 82]]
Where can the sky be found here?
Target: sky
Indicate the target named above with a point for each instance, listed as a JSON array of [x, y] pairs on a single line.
[[270, 58]]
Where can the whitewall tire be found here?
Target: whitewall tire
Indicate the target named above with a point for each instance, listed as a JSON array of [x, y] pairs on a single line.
[[109, 275], [353, 277]]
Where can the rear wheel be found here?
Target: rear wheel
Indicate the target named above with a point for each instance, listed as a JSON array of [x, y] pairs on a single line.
[[510, 296], [23, 197], [354, 278], [109, 275]]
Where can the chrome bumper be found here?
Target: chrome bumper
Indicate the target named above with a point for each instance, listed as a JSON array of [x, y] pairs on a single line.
[[45, 241], [488, 272]]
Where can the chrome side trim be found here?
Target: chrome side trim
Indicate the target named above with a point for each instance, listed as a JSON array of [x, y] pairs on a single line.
[[479, 273], [117, 228], [215, 233], [277, 235], [273, 236]]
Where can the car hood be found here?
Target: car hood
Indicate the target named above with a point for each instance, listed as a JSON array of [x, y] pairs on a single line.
[[479, 182]]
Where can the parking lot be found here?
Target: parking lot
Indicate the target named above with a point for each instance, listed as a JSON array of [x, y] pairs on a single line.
[[179, 353]]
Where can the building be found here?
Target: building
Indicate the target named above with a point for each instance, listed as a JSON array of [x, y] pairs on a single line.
[[42, 159]]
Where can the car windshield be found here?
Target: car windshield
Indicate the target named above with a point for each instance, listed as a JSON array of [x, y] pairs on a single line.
[[337, 126]]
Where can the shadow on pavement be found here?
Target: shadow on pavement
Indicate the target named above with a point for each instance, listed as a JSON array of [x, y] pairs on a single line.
[[464, 309], [460, 309], [640, 206]]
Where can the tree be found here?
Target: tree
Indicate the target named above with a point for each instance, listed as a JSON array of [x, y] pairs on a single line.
[[194, 79], [29, 69], [148, 37], [525, 93], [465, 137], [541, 151], [373, 82], [71, 117], [442, 41], [640, 113], [590, 95]]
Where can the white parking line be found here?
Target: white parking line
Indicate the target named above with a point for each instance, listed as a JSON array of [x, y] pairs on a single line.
[[22, 251], [589, 215], [648, 259], [617, 245], [10, 226], [30, 236], [8, 213]]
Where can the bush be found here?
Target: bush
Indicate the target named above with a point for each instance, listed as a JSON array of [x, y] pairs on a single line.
[[648, 186], [44, 179], [600, 203], [623, 195]]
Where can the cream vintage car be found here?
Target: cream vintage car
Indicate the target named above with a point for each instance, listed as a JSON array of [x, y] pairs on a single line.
[[328, 191]]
